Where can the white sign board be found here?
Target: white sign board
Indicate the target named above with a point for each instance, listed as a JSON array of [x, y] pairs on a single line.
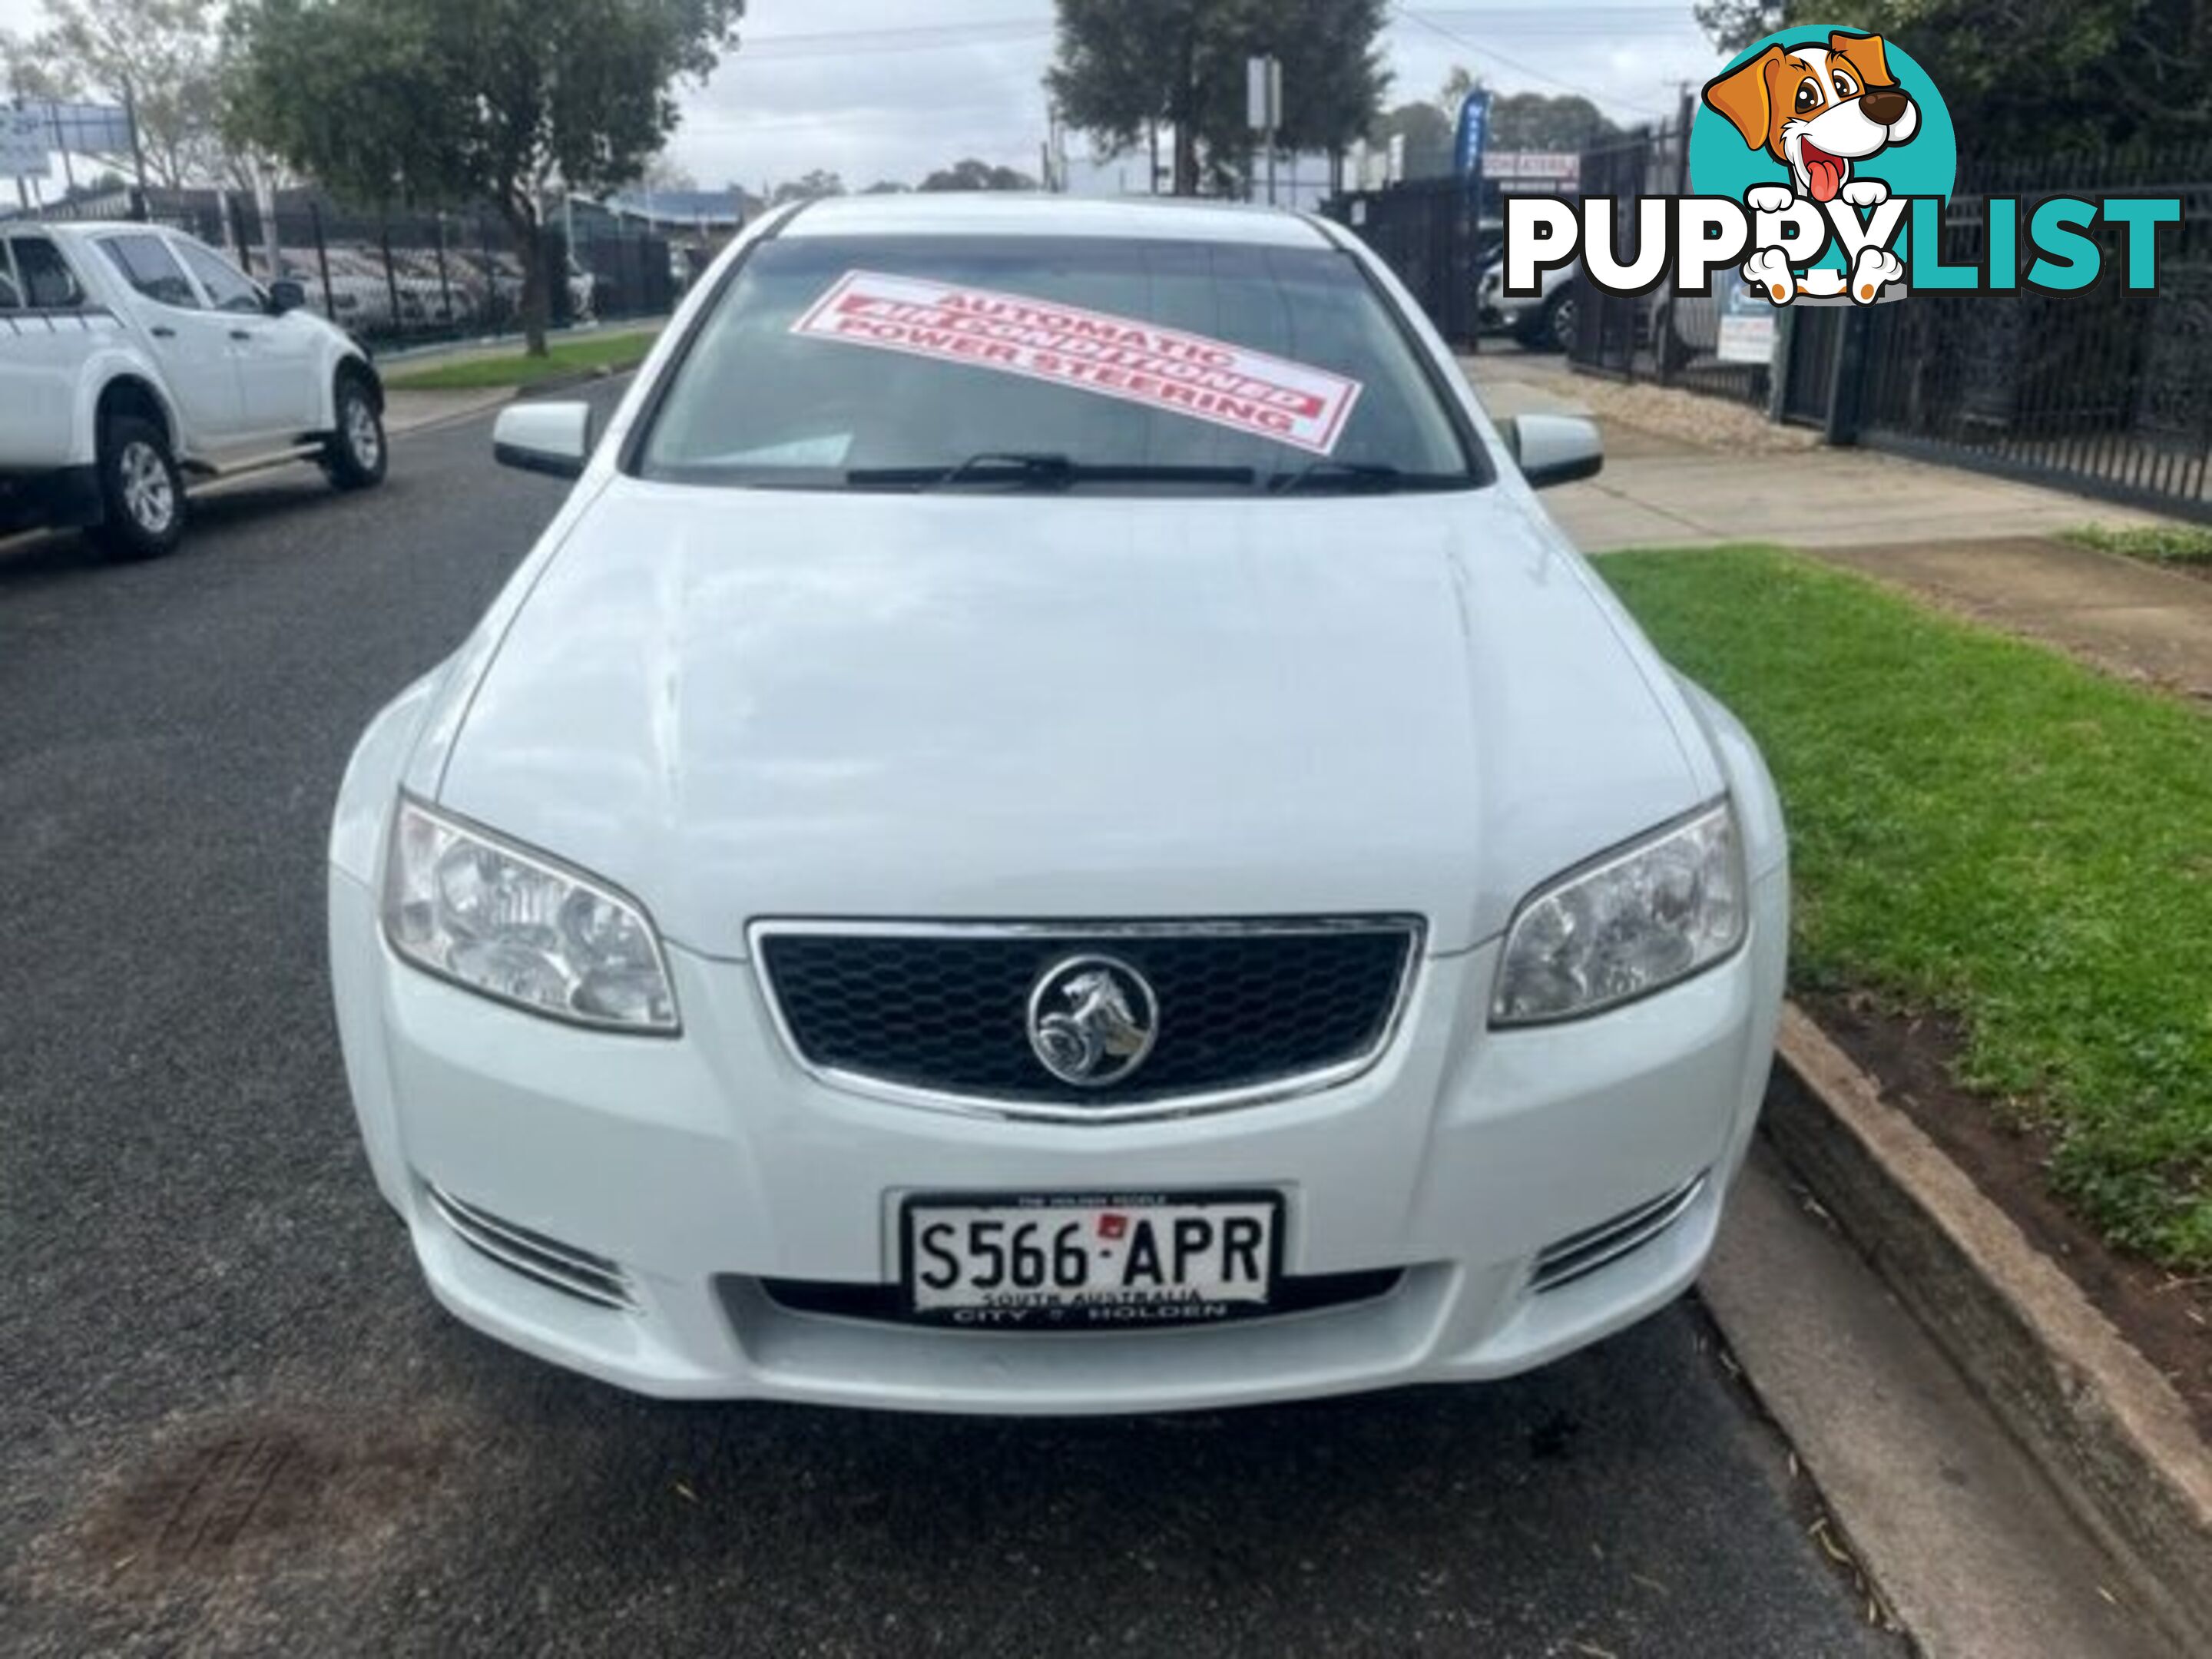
[[1746, 332], [1263, 93], [24, 136], [89, 129], [1561, 166]]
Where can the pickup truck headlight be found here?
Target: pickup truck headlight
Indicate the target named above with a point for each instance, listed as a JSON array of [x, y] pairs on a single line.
[[514, 926], [1651, 914]]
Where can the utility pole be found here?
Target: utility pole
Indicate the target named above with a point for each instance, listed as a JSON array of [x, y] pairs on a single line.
[[1275, 119], [61, 143], [15, 102], [1664, 331], [1263, 111], [137, 148]]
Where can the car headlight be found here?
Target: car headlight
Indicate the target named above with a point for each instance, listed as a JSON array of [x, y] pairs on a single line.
[[513, 925], [1643, 917]]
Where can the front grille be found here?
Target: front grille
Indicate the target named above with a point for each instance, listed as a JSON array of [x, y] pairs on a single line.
[[882, 1303], [558, 1266], [1243, 1009], [1580, 1253]]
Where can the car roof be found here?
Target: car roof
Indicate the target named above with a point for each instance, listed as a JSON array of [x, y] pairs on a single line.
[[1005, 213], [76, 227]]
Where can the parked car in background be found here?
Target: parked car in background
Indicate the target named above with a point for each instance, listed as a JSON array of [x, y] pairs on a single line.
[[902, 903], [131, 356], [1545, 322], [495, 284]]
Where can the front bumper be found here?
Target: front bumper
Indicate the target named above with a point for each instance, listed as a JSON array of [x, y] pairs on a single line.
[[705, 1169], [1494, 312]]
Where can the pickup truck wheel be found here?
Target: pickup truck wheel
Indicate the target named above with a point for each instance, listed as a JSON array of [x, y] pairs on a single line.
[[354, 456], [141, 492]]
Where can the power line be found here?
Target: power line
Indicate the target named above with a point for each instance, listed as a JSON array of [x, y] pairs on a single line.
[[1506, 13], [1607, 19], [1529, 70], [919, 36]]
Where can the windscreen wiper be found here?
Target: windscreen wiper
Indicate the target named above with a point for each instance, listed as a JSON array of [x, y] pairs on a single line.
[[1329, 474], [1017, 469]]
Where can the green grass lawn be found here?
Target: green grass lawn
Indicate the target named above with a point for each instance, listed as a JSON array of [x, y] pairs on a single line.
[[576, 355], [1981, 827], [2164, 543]]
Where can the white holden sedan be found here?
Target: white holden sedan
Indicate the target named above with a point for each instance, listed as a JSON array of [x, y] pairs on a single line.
[[1053, 829]]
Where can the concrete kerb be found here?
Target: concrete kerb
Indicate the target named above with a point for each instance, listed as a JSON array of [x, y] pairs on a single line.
[[2107, 1430]]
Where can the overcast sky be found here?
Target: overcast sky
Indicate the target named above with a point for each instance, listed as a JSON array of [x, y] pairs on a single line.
[[894, 88]]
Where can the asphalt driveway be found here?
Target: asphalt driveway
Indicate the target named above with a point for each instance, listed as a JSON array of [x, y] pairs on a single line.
[[230, 1419]]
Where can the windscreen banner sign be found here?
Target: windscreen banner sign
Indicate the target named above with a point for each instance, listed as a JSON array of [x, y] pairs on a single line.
[[1820, 162], [1122, 357]]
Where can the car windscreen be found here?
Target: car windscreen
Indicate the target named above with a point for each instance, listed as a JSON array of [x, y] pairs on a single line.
[[1079, 362]]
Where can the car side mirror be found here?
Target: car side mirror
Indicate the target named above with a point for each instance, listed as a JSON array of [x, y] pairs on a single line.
[[285, 295], [552, 437], [1553, 449]]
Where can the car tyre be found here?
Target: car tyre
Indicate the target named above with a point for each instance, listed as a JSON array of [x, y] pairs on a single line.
[[1562, 315], [142, 493], [356, 454]]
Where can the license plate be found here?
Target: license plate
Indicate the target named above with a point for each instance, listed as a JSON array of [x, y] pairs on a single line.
[[1081, 1262]]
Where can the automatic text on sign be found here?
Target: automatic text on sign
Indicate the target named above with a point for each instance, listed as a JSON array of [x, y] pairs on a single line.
[[1189, 374]]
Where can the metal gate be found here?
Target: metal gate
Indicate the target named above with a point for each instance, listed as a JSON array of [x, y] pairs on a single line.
[[1425, 230], [1811, 336], [1653, 336], [2104, 389], [1613, 331]]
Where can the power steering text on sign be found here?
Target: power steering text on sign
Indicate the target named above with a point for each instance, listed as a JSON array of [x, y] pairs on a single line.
[[1065, 1261], [1122, 357]]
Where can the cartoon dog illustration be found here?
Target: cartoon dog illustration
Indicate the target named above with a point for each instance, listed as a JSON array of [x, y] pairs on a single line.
[[1817, 110]]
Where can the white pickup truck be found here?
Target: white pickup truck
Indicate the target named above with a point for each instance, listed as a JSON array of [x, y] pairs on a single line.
[[132, 355]]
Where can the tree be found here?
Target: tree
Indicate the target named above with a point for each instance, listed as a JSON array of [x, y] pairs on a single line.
[[492, 100], [807, 187], [1732, 25], [887, 187], [662, 175], [1122, 66], [1530, 120], [972, 174], [1539, 120], [159, 56], [2058, 76], [1428, 134]]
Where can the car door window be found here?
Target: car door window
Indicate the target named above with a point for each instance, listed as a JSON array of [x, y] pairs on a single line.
[[43, 277], [150, 267], [226, 290]]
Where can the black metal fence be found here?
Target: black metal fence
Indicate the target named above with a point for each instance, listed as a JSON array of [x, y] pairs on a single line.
[[1425, 230], [2105, 389], [1672, 340], [396, 278], [1439, 238]]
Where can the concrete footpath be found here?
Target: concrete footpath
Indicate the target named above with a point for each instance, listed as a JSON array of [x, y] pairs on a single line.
[[1968, 1545], [1686, 471], [2005, 1494]]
